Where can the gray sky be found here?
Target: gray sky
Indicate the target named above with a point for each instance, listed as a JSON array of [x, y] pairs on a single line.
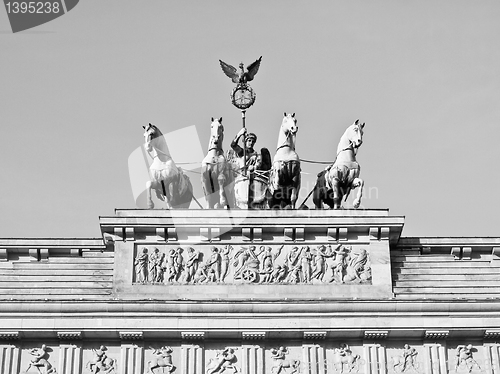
[[423, 75]]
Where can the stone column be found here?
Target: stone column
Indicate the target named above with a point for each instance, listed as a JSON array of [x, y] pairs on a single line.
[[435, 359], [252, 359], [9, 359], [132, 358], [491, 358], [192, 359], [374, 358], [313, 359], [70, 358]]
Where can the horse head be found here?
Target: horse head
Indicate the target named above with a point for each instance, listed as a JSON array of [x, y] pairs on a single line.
[[353, 137], [216, 134], [155, 142], [289, 124]]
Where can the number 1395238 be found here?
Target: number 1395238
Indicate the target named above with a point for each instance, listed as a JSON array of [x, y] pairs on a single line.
[[32, 7]]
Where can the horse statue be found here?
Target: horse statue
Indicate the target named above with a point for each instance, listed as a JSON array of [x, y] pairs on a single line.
[[162, 360], [168, 180], [337, 181], [284, 180], [215, 174]]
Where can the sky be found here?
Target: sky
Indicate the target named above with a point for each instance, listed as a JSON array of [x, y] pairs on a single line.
[[423, 76]]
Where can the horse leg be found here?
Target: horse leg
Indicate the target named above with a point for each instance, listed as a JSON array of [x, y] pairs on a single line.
[[294, 196], [337, 195], [358, 183], [149, 185], [173, 191], [221, 180], [163, 188], [210, 192], [151, 367]]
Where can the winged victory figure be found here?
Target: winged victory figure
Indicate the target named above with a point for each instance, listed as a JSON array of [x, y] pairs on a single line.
[[244, 76]]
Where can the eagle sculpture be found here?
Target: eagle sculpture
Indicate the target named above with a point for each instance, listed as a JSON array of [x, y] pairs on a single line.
[[244, 76]]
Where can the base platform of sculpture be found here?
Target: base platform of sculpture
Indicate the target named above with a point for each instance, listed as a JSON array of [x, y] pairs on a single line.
[[239, 254]]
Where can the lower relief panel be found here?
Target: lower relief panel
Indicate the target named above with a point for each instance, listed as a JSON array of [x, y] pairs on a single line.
[[266, 357]]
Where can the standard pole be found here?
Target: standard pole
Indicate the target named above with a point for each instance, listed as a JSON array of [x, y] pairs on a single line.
[[243, 112]]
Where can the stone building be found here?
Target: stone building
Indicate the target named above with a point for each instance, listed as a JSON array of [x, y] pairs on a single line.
[[251, 292]]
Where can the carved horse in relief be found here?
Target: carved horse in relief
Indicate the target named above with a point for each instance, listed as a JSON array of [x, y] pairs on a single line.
[[163, 361], [223, 361], [169, 182], [344, 360], [278, 355], [40, 361], [284, 180], [215, 174], [337, 181]]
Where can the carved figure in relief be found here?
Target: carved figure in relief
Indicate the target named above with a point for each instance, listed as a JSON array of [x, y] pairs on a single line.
[[464, 358], [321, 254], [163, 360], [407, 361], [246, 263], [155, 266], [278, 355], [344, 360], [201, 275], [141, 266], [267, 263], [340, 264], [40, 361], [293, 264], [279, 273], [305, 264], [224, 360], [174, 262], [224, 267], [193, 257], [101, 363], [214, 264], [357, 268]]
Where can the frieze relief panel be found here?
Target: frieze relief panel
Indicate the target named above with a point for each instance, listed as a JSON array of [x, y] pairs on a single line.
[[264, 264], [336, 357]]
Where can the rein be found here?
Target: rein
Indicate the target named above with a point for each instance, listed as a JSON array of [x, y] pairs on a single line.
[[285, 144]]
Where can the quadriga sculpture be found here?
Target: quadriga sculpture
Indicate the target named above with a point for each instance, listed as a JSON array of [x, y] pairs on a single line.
[[215, 174], [169, 182], [284, 181], [337, 181]]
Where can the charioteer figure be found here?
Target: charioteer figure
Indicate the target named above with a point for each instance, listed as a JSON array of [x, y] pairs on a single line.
[[250, 170], [254, 160]]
